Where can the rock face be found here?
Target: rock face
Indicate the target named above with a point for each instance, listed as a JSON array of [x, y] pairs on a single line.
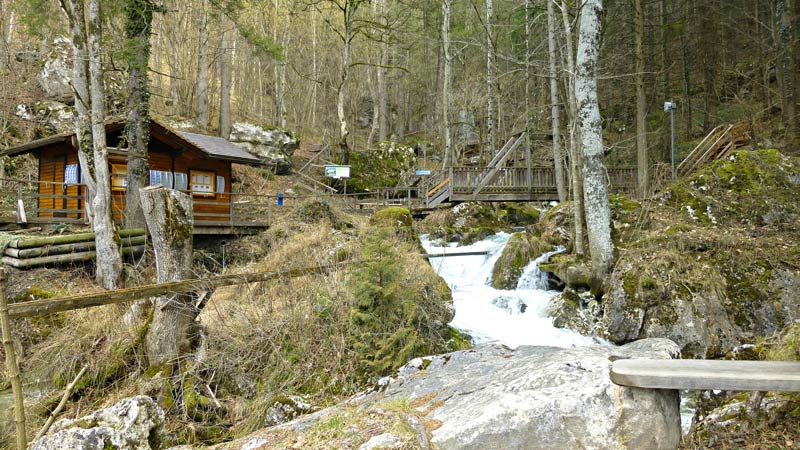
[[135, 423], [55, 75], [54, 117], [273, 146], [542, 398]]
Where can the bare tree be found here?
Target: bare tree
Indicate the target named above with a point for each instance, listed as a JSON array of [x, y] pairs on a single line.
[[201, 97], [138, 27], [225, 81], [574, 150], [641, 100], [598, 212], [87, 38], [555, 108], [446, 80], [490, 89]]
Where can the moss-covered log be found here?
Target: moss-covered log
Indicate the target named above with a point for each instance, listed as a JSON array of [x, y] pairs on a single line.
[[64, 259], [60, 249], [67, 239]]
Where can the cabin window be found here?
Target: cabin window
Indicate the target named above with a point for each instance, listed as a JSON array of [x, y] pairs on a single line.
[[220, 184], [181, 181], [119, 173], [161, 177], [202, 182], [71, 174]]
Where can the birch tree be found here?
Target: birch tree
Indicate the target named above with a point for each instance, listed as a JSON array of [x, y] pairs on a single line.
[[87, 39], [574, 151], [598, 212]]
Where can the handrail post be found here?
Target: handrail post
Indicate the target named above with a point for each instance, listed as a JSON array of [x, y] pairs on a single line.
[[11, 365]]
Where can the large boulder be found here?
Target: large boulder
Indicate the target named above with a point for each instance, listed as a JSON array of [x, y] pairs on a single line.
[[541, 398], [273, 146], [135, 423], [55, 76], [492, 397]]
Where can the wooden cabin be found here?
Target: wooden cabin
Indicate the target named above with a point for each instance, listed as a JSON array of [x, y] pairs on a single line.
[[190, 162]]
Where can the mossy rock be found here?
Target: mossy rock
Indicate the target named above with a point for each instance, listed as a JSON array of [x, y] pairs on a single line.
[[521, 249], [572, 271], [398, 219]]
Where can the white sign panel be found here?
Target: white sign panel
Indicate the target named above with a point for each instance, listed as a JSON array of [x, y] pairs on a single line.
[[335, 171]]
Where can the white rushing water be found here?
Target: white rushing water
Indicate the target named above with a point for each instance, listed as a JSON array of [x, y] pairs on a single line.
[[512, 317]]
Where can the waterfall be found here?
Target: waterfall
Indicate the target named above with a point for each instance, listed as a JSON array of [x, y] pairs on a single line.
[[532, 277], [512, 317]]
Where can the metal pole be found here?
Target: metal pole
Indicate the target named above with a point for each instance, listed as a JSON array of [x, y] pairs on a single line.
[[12, 368], [672, 138]]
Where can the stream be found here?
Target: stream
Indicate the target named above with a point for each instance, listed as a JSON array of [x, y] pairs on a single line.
[[512, 317]]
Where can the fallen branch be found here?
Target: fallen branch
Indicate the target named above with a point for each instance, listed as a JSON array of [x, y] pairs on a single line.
[[61, 404]]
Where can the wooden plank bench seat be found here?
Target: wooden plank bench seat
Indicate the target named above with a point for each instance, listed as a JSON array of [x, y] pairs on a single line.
[[707, 374]]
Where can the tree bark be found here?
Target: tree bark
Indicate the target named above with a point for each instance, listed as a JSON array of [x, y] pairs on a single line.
[[786, 70], [174, 328], [225, 81], [686, 58], [201, 101], [574, 150], [383, 101], [446, 81], [641, 101], [490, 100], [108, 270], [80, 85], [138, 26], [598, 212], [555, 108], [344, 132]]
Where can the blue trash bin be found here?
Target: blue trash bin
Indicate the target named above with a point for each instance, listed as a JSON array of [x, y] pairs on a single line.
[[280, 198]]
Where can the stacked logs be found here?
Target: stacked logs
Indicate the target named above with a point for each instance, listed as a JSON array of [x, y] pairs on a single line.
[[38, 251]]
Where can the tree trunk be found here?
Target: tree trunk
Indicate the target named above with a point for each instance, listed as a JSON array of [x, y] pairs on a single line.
[[598, 212], [491, 146], [641, 101], [108, 269], [174, 329], [686, 58], [574, 150], [555, 108], [786, 70], [446, 81], [225, 80], [383, 101], [80, 84], [344, 131], [201, 100], [139, 20]]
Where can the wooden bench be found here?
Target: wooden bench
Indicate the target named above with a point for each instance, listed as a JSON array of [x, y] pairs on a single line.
[[697, 374]]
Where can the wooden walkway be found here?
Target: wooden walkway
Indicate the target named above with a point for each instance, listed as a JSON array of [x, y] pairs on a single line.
[[695, 374]]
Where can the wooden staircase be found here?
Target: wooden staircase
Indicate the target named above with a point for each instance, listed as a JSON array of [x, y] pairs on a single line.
[[719, 143], [498, 162], [441, 190]]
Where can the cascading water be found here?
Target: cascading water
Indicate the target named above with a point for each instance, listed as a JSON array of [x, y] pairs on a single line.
[[512, 317]]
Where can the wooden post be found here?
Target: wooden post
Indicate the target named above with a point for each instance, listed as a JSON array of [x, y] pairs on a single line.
[[11, 365]]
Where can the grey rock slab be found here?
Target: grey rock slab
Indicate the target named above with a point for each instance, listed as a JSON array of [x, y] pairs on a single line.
[[383, 441], [542, 398]]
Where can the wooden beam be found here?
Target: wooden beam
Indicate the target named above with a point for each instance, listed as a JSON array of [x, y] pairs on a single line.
[[48, 306], [447, 255], [707, 374], [439, 186], [27, 263]]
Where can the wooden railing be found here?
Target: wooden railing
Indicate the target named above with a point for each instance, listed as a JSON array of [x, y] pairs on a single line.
[[48, 202]]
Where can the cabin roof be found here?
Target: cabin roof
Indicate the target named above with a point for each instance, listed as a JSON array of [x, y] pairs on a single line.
[[213, 147]]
